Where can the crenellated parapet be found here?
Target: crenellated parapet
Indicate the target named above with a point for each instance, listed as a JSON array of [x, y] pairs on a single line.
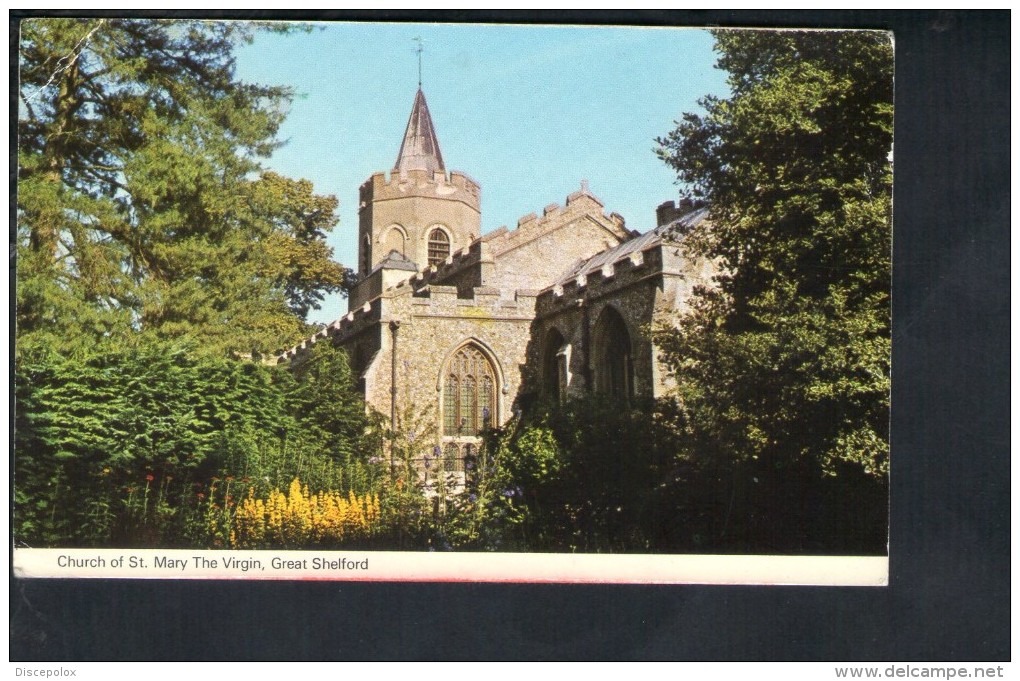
[[428, 300], [452, 186], [533, 226], [350, 324], [484, 302], [630, 268], [657, 256], [402, 210]]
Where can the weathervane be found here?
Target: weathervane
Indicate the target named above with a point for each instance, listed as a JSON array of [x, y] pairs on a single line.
[[421, 48]]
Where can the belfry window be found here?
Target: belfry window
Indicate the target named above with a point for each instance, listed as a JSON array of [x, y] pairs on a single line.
[[469, 394], [439, 246]]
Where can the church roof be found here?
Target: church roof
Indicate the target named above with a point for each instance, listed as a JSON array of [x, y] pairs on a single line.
[[395, 260], [420, 148], [671, 231]]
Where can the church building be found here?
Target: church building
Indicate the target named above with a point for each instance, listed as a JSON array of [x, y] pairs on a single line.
[[462, 328]]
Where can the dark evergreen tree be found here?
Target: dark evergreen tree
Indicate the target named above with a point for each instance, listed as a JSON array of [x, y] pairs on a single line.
[[783, 368]]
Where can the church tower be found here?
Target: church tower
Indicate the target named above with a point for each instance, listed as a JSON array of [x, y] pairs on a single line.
[[420, 211]]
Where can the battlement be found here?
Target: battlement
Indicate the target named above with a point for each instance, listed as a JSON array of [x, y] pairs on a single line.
[[484, 300], [670, 211], [475, 253], [352, 322], [619, 273], [452, 186], [532, 226], [428, 299]]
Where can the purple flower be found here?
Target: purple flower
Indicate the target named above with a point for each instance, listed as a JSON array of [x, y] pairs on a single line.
[[508, 493], [428, 461], [473, 498]]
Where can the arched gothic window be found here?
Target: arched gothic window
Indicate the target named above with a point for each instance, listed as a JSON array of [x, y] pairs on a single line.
[[439, 246], [614, 370], [469, 393], [554, 369]]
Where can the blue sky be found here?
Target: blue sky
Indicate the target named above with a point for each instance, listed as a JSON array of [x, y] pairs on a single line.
[[527, 111]]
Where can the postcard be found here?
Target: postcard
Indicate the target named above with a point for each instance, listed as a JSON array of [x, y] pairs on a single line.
[[452, 302]]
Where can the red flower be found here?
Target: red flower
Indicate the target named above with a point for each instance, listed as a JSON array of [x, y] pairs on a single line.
[[150, 477]]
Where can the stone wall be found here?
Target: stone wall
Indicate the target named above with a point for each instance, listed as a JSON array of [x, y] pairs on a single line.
[[434, 322], [543, 248], [648, 289], [415, 202]]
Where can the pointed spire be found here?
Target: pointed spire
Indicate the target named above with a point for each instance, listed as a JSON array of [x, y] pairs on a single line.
[[420, 148]]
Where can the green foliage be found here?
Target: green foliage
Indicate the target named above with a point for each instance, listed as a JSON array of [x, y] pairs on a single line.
[[786, 361], [142, 205], [326, 402], [410, 497], [496, 510], [134, 446], [582, 477], [614, 461], [152, 245]]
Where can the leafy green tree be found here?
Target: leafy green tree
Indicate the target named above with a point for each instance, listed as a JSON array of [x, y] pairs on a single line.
[[784, 365], [142, 205]]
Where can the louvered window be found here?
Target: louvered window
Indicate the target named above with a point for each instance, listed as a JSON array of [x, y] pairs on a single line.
[[439, 246]]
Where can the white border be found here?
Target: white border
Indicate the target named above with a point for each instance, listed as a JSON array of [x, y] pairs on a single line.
[[393, 566]]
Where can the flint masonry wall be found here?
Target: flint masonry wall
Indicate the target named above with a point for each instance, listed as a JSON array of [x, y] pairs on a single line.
[[647, 289], [434, 322]]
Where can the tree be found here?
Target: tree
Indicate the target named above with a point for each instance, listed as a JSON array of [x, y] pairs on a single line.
[[122, 444], [142, 205], [326, 400], [784, 364]]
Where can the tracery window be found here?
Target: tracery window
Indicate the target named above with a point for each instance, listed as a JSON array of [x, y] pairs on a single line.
[[439, 246], [469, 393]]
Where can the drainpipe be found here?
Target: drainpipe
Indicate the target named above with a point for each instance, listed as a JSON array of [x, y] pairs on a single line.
[[394, 327]]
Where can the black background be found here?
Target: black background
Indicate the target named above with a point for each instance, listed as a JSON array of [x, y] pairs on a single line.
[[948, 597]]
